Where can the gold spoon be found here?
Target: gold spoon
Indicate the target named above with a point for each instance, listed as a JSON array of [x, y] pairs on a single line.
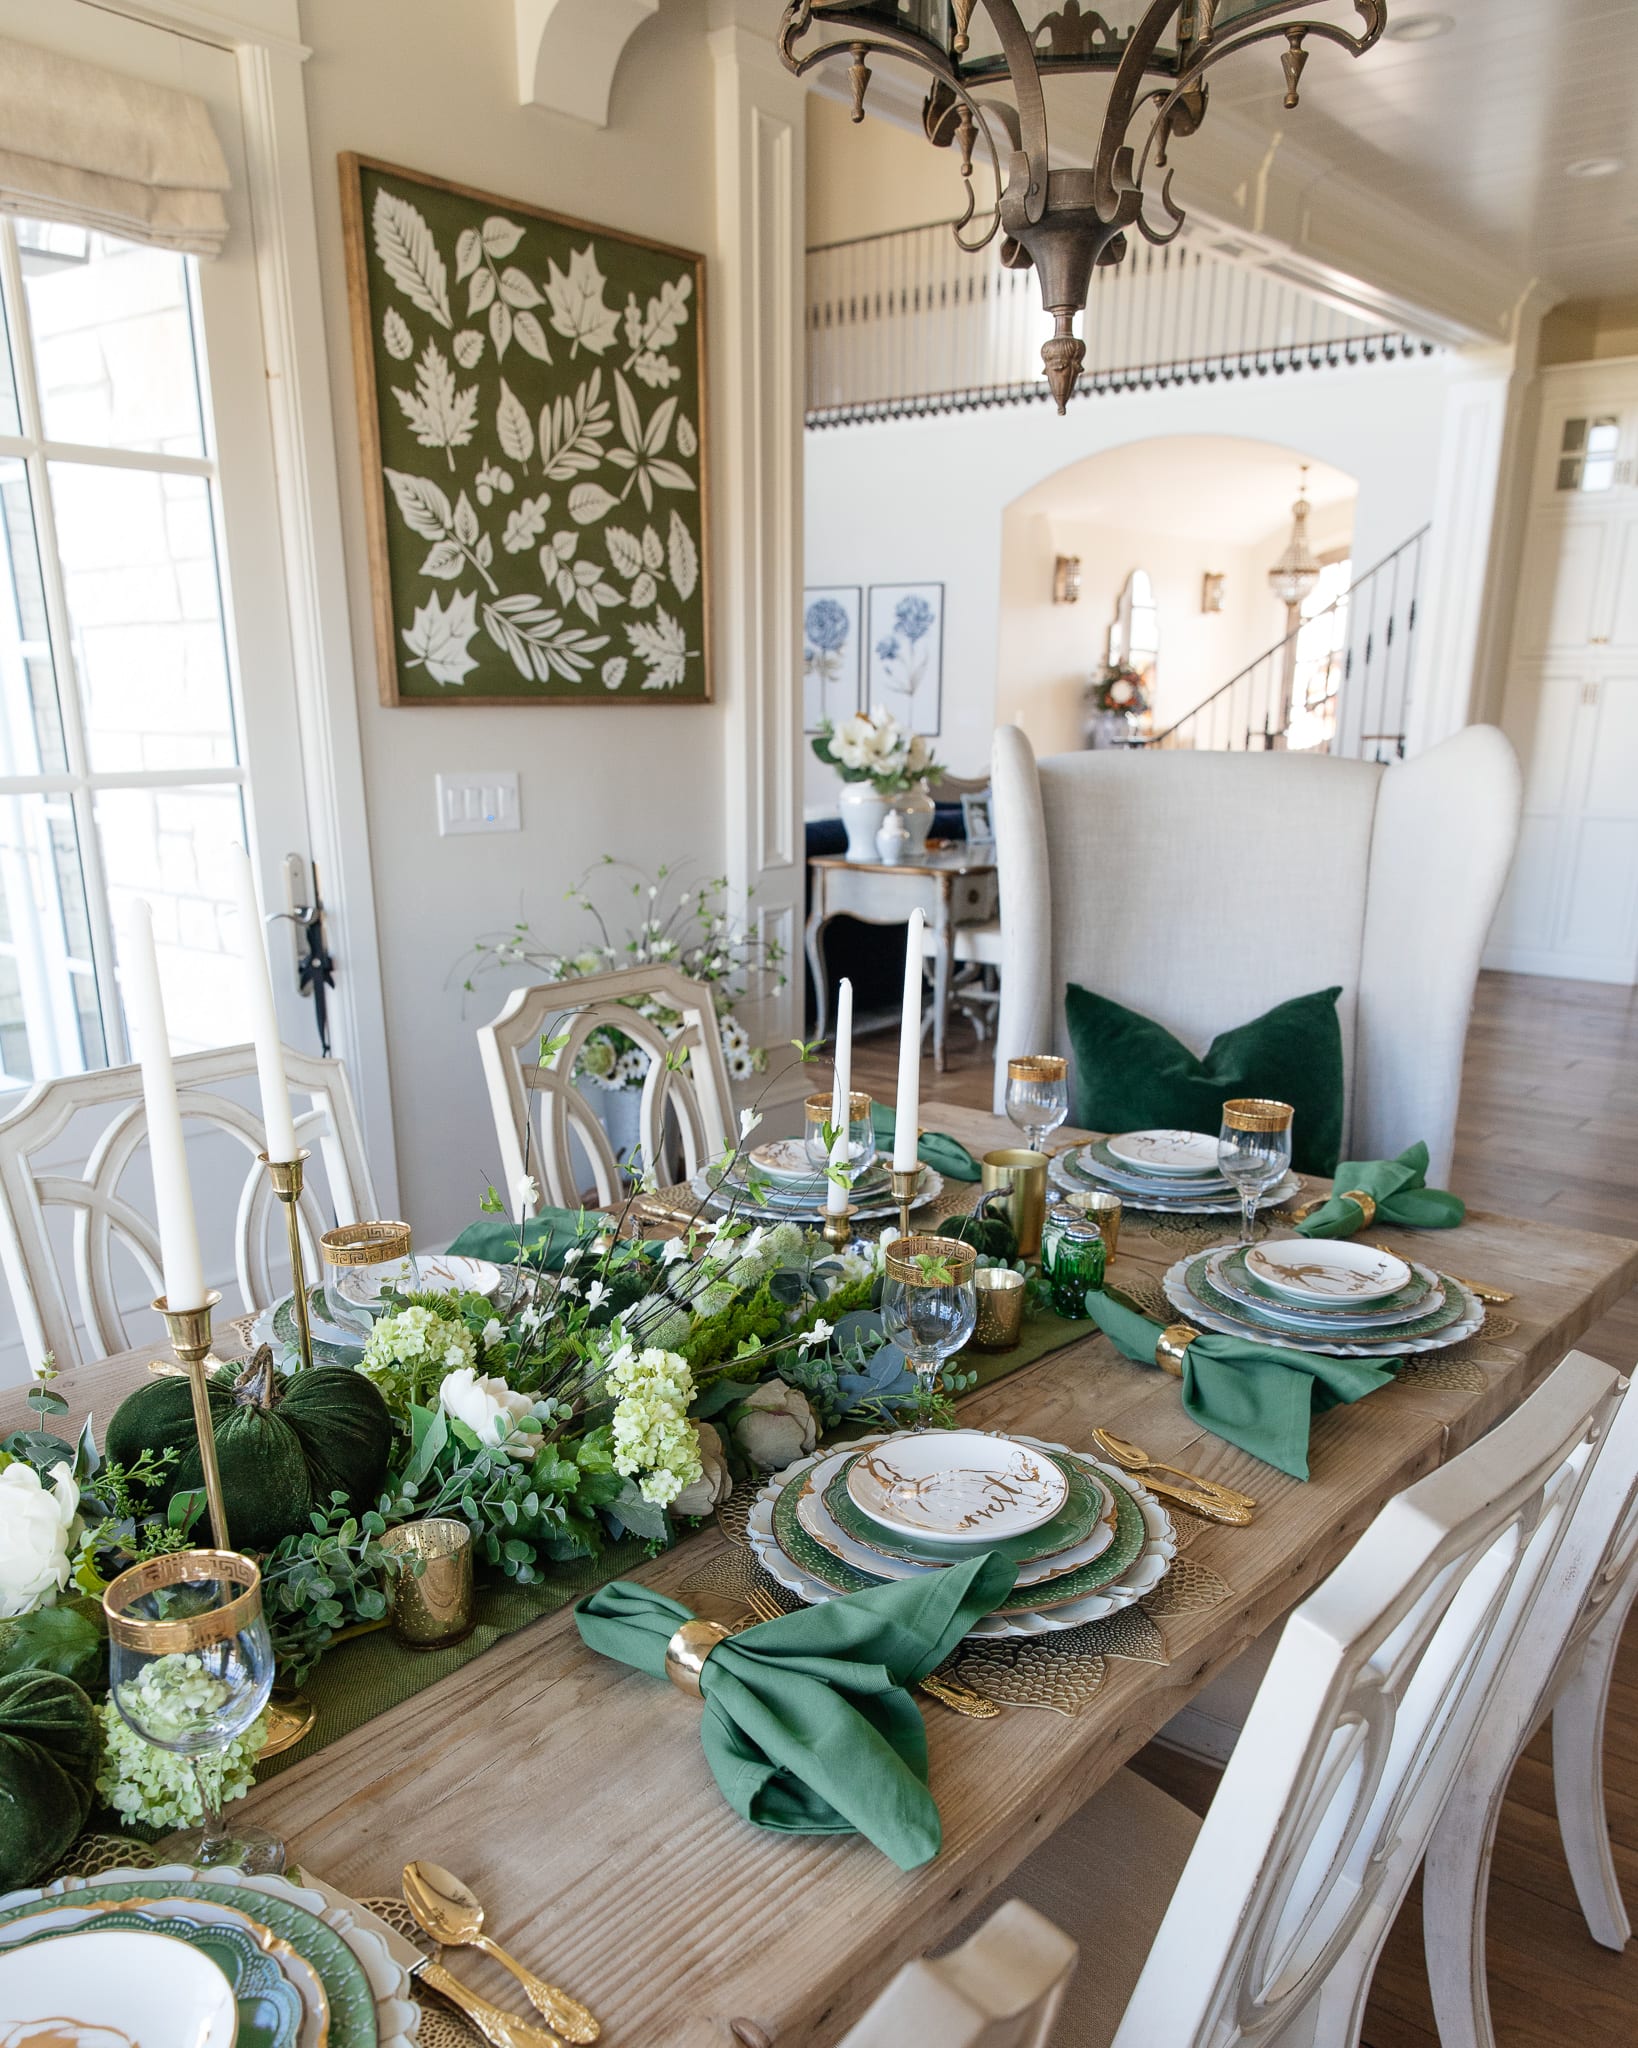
[[449, 1911], [1136, 1459]]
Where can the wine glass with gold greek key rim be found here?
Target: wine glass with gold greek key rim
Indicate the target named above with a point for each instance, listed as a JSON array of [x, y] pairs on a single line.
[[861, 1133], [1038, 1095], [929, 1301], [1254, 1151], [190, 1666]]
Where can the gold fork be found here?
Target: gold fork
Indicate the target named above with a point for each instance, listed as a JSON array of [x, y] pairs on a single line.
[[960, 1698]]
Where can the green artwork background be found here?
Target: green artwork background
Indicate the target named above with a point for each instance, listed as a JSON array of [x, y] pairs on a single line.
[[538, 406]]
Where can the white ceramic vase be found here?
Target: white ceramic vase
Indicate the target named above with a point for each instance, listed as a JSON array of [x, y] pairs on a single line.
[[863, 810], [915, 807]]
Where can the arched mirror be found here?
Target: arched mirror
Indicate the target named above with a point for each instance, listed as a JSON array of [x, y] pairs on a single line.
[[1134, 638]]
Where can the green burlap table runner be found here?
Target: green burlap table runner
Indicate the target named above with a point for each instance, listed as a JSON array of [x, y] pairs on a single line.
[[372, 1672]]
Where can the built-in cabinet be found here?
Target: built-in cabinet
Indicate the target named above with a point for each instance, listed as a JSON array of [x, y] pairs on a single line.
[[1571, 703]]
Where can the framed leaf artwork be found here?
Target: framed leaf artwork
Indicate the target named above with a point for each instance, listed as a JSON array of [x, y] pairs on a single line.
[[532, 409]]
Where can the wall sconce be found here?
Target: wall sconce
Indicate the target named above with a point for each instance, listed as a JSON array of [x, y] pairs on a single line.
[[1212, 591], [1066, 580]]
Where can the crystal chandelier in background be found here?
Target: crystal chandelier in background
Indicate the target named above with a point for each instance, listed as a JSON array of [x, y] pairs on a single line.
[[1296, 572], [1063, 221]]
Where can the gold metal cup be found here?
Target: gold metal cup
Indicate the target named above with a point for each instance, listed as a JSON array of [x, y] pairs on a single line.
[[1000, 1309], [432, 1607], [1022, 1178], [1100, 1209]]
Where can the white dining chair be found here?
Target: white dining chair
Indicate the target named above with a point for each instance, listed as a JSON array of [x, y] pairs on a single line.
[[1262, 1923], [688, 1097], [69, 1147], [1203, 888], [1003, 1988], [1562, 1670]]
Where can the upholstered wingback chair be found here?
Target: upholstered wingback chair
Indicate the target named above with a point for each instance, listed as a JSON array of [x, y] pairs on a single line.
[[1202, 888]]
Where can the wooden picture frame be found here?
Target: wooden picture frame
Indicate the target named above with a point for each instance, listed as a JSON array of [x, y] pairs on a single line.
[[532, 420]]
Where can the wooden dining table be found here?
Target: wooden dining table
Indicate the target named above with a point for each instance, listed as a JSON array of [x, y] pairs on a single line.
[[571, 1791]]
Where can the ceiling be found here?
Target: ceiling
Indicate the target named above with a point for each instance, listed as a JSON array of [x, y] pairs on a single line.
[[1474, 129], [1196, 486]]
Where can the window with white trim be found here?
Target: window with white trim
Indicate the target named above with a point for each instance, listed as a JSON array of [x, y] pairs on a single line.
[[120, 764]]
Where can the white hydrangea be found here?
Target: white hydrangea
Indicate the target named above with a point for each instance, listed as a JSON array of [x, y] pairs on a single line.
[[654, 1441], [157, 1786]]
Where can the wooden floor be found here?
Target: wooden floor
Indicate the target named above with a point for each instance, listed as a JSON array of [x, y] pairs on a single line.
[[1549, 1128]]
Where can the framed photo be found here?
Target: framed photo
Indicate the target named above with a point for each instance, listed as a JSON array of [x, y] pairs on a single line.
[[830, 653], [532, 411], [906, 641], [975, 818]]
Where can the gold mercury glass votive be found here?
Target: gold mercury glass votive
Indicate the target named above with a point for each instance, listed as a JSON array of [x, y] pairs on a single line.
[[432, 1606], [1000, 1309], [1021, 1177], [1100, 1209]]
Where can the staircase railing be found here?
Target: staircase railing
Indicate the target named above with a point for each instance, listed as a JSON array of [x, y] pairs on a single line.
[[1339, 684]]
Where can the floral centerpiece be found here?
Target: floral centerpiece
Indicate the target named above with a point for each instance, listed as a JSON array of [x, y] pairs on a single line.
[[878, 760], [1118, 689]]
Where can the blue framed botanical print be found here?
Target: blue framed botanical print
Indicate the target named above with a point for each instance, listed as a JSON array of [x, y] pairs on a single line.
[[831, 642], [906, 639]]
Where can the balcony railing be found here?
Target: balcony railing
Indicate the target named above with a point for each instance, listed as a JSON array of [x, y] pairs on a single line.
[[908, 322]]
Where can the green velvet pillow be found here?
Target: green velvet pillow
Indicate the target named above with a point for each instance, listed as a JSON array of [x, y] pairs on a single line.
[[1131, 1074]]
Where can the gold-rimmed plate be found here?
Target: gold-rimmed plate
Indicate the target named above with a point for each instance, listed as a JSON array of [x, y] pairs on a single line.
[[958, 1486]]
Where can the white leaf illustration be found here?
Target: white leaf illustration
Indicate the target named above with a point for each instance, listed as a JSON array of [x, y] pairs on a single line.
[[484, 553], [669, 473], [445, 559], [655, 371], [625, 550], [500, 326], [653, 553], [530, 336], [480, 291], [438, 638], [395, 335], [578, 311], [662, 647], [538, 641], [684, 557], [500, 236], [643, 592], [468, 253], [659, 326], [525, 525], [468, 346], [614, 671], [424, 506], [687, 440], [440, 416], [516, 289], [409, 255], [466, 521], [571, 434], [590, 501], [512, 427]]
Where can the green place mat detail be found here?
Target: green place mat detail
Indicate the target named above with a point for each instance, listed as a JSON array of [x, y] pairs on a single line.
[[1072, 1524], [800, 1547], [352, 2002], [1450, 1310], [270, 2007]]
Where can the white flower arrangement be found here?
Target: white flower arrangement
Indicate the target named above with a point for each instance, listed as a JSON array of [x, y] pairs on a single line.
[[408, 1354], [654, 1441], [38, 1536], [873, 747], [175, 1695], [497, 1415]]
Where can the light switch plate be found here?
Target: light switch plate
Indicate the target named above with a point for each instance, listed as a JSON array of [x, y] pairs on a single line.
[[481, 800]]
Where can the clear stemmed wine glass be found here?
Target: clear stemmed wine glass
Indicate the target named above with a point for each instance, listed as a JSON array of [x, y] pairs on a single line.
[[1254, 1151], [1038, 1095], [190, 1667], [929, 1300], [861, 1133]]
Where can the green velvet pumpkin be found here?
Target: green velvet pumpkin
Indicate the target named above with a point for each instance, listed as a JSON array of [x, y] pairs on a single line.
[[70, 1639], [991, 1235], [50, 1743], [284, 1446]]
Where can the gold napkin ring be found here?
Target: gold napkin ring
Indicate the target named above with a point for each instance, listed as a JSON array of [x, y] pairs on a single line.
[[1364, 1203], [1170, 1346], [687, 1651]]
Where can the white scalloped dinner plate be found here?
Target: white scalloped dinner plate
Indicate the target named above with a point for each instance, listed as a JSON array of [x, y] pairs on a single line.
[[1091, 1176], [1176, 1284]]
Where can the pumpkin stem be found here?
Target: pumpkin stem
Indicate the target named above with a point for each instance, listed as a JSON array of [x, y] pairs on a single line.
[[258, 1385]]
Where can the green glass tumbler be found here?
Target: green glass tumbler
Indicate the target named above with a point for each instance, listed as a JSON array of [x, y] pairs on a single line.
[[1078, 1260]]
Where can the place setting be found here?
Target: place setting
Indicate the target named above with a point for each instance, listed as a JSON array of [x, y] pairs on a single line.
[[1174, 1173]]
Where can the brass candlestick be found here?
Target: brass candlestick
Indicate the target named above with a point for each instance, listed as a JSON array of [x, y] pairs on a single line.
[[906, 1186], [189, 1332], [286, 1175], [838, 1227]]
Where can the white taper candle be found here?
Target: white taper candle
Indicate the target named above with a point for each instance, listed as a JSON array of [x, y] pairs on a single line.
[[907, 1110], [841, 1099], [277, 1120], [168, 1160]]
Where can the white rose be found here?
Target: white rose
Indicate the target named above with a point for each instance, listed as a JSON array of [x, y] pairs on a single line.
[[775, 1426], [715, 1482], [490, 1409], [35, 1526], [916, 757]]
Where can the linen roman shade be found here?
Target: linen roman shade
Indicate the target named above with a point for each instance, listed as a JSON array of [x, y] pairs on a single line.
[[82, 144]]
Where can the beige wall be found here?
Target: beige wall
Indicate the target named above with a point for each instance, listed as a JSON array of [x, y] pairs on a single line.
[[866, 179], [433, 86]]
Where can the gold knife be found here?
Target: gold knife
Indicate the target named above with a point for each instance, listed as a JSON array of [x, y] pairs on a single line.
[[500, 2029], [1208, 1507]]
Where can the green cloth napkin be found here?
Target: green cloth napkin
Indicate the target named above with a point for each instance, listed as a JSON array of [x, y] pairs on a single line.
[[547, 1236], [807, 1725], [937, 1149], [1258, 1396], [1399, 1189]]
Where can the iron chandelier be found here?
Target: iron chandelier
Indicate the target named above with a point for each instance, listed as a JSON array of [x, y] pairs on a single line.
[[1062, 221]]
